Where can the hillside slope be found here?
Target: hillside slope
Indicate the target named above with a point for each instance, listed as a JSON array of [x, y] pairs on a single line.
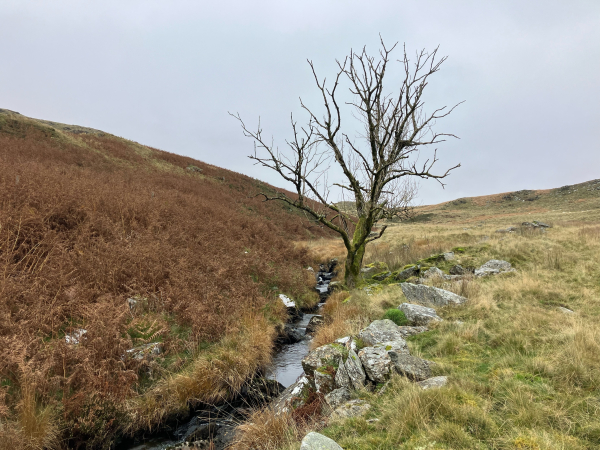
[[89, 220]]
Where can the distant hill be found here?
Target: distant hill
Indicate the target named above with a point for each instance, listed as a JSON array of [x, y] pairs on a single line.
[[572, 199], [89, 220]]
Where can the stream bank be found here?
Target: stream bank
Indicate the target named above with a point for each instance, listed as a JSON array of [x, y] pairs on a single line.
[[215, 425]]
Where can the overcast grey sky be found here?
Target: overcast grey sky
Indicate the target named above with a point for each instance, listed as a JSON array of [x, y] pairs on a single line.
[[165, 73]]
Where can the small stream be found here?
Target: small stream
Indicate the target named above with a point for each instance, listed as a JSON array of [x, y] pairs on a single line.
[[217, 423], [287, 364]]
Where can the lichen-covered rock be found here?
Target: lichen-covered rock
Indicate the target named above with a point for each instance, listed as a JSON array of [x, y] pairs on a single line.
[[355, 370], [435, 382], [493, 267], [324, 355], [414, 368], [431, 295], [432, 272], [316, 441], [412, 331], [353, 408], [448, 256], [292, 396], [145, 351], [342, 379], [347, 342], [324, 381], [376, 362], [419, 315], [407, 273], [380, 331], [382, 276], [338, 397]]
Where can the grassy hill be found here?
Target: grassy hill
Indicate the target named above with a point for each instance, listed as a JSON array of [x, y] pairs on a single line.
[[136, 246], [523, 371]]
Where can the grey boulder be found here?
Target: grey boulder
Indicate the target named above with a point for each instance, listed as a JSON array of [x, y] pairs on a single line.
[[338, 397], [321, 356], [380, 331], [493, 267], [353, 408], [316, 441], [435, 382], [355, 370], [432, 272], [431, 295], [412, 331], [412, 271], [419, 315], [314, 323], [376, 360], [414, 368]]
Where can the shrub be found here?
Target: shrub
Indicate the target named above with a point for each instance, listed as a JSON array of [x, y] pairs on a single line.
[[396, 316]]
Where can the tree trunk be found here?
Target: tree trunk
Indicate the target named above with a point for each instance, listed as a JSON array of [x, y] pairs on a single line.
[[356, 252]]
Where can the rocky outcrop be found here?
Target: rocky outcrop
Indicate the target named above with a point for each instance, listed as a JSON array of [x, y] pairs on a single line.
[[419, 315], [316, 441], [460, 270], [291, 397], [432, 272], [431, 295]]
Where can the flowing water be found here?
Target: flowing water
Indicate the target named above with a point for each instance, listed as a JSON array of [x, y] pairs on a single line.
[[287, 364]]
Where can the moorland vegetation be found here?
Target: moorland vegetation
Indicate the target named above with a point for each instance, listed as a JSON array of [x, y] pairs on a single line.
[[106, 246]]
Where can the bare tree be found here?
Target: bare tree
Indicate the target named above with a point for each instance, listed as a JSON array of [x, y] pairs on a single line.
[[378, 167]]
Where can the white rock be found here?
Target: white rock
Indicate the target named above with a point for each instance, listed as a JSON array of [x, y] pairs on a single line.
[[75, 337], [289, 303], [380, 331], [493, 267], [316, 441], [565, 310], [434, 382]]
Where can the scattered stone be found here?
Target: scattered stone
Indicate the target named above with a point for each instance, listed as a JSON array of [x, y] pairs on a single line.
[[448, 256], [316, 441], [314, 323], [435, 382], [355, 370], [310, 269], [431, 295], [432, 272], [338, 397], [419, 315], [381, 331], [565, 310], [147, 350], [412, 271], [367, 272], [414, 368], [75, 337], [372, 420], [353, 408], [541, 224], [131, 302], [321, 356], [493, 267], [288, 302]]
